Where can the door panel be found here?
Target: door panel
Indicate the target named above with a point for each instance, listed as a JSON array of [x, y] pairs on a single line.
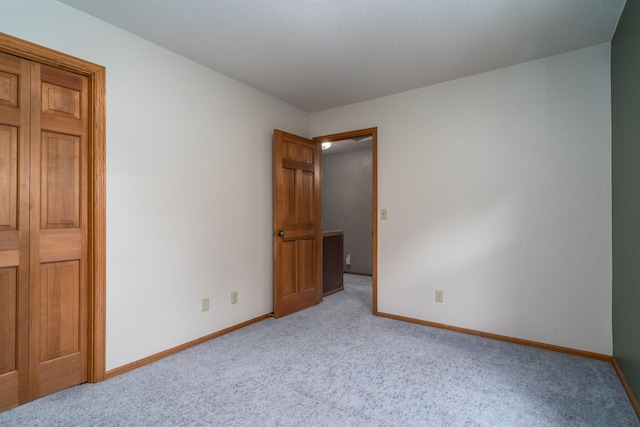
[[306, 273], [306, 194], [8, 177], [8, 313], [58, 233], [297, 226], [60, 327], [60, 184], [14, 228], [9, 88], [287, 268], [59, 305], [61, 101]]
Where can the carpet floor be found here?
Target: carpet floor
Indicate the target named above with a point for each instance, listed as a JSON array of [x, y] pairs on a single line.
[[335, 364]]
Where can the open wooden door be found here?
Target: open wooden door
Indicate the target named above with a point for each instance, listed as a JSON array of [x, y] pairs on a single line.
[[297, 228]]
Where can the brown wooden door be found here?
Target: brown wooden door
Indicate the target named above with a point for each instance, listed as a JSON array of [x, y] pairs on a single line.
[[14, 229], [58, 232], [43, 230], [297, 236]]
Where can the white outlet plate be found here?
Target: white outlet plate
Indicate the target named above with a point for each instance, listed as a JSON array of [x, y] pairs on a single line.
[[234, 297], [439, 296], [205, 304]]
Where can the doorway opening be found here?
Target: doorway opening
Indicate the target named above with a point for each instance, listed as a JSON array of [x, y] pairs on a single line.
[[344, 142]]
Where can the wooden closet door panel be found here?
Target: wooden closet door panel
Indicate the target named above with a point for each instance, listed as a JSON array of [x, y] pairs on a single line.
[[14, 228], [58, 238]]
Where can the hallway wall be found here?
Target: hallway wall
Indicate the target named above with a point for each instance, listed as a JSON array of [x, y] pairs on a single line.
[[347, 201]]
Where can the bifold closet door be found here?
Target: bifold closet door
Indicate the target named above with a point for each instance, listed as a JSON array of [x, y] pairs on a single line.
[[14, 228], [58, 230], [43, 230]]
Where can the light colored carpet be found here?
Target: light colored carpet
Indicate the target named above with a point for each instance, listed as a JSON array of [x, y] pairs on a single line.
[[337, 365]]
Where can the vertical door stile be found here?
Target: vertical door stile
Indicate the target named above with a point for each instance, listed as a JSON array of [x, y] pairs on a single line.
[[34, 234], [24, 229]]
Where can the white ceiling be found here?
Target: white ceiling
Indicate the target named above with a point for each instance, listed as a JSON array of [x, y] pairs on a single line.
[[320, 54]]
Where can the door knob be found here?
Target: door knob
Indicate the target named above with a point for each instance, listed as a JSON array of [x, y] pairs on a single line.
[[281, 233]]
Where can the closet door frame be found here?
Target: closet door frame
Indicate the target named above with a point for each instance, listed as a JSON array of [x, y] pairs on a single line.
[[96, 189]]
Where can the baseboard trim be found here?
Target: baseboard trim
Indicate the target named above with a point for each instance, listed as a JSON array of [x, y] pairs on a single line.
[[520, 341], [358, 274], [155, 357], [627, 388], [543, 346], [333, 291], [559, 349]]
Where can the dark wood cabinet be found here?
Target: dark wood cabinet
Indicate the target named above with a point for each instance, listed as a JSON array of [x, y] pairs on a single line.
[[332, 252]]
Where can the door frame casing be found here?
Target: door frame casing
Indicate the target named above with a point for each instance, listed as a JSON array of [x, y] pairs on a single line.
[[373, 133], [96, 74]]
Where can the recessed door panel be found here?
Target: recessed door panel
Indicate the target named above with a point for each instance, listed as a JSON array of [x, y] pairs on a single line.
[[306, 273], [60, 309], [289, 191], [60, 181], [9, 338], [60, 101], [8, 177], [8, 317], [288, 268], [305, 200], [8, 89]]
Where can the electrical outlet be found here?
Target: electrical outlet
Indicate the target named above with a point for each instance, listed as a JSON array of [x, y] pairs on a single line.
[[234, 297], [439, 296], [205, 304]]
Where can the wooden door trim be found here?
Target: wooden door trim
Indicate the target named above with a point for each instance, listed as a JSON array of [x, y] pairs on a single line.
[[97, 190], [373, 133]]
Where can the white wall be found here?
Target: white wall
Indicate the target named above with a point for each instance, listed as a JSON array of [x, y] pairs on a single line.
[[188, 183], [497, 188], [498, 193]]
